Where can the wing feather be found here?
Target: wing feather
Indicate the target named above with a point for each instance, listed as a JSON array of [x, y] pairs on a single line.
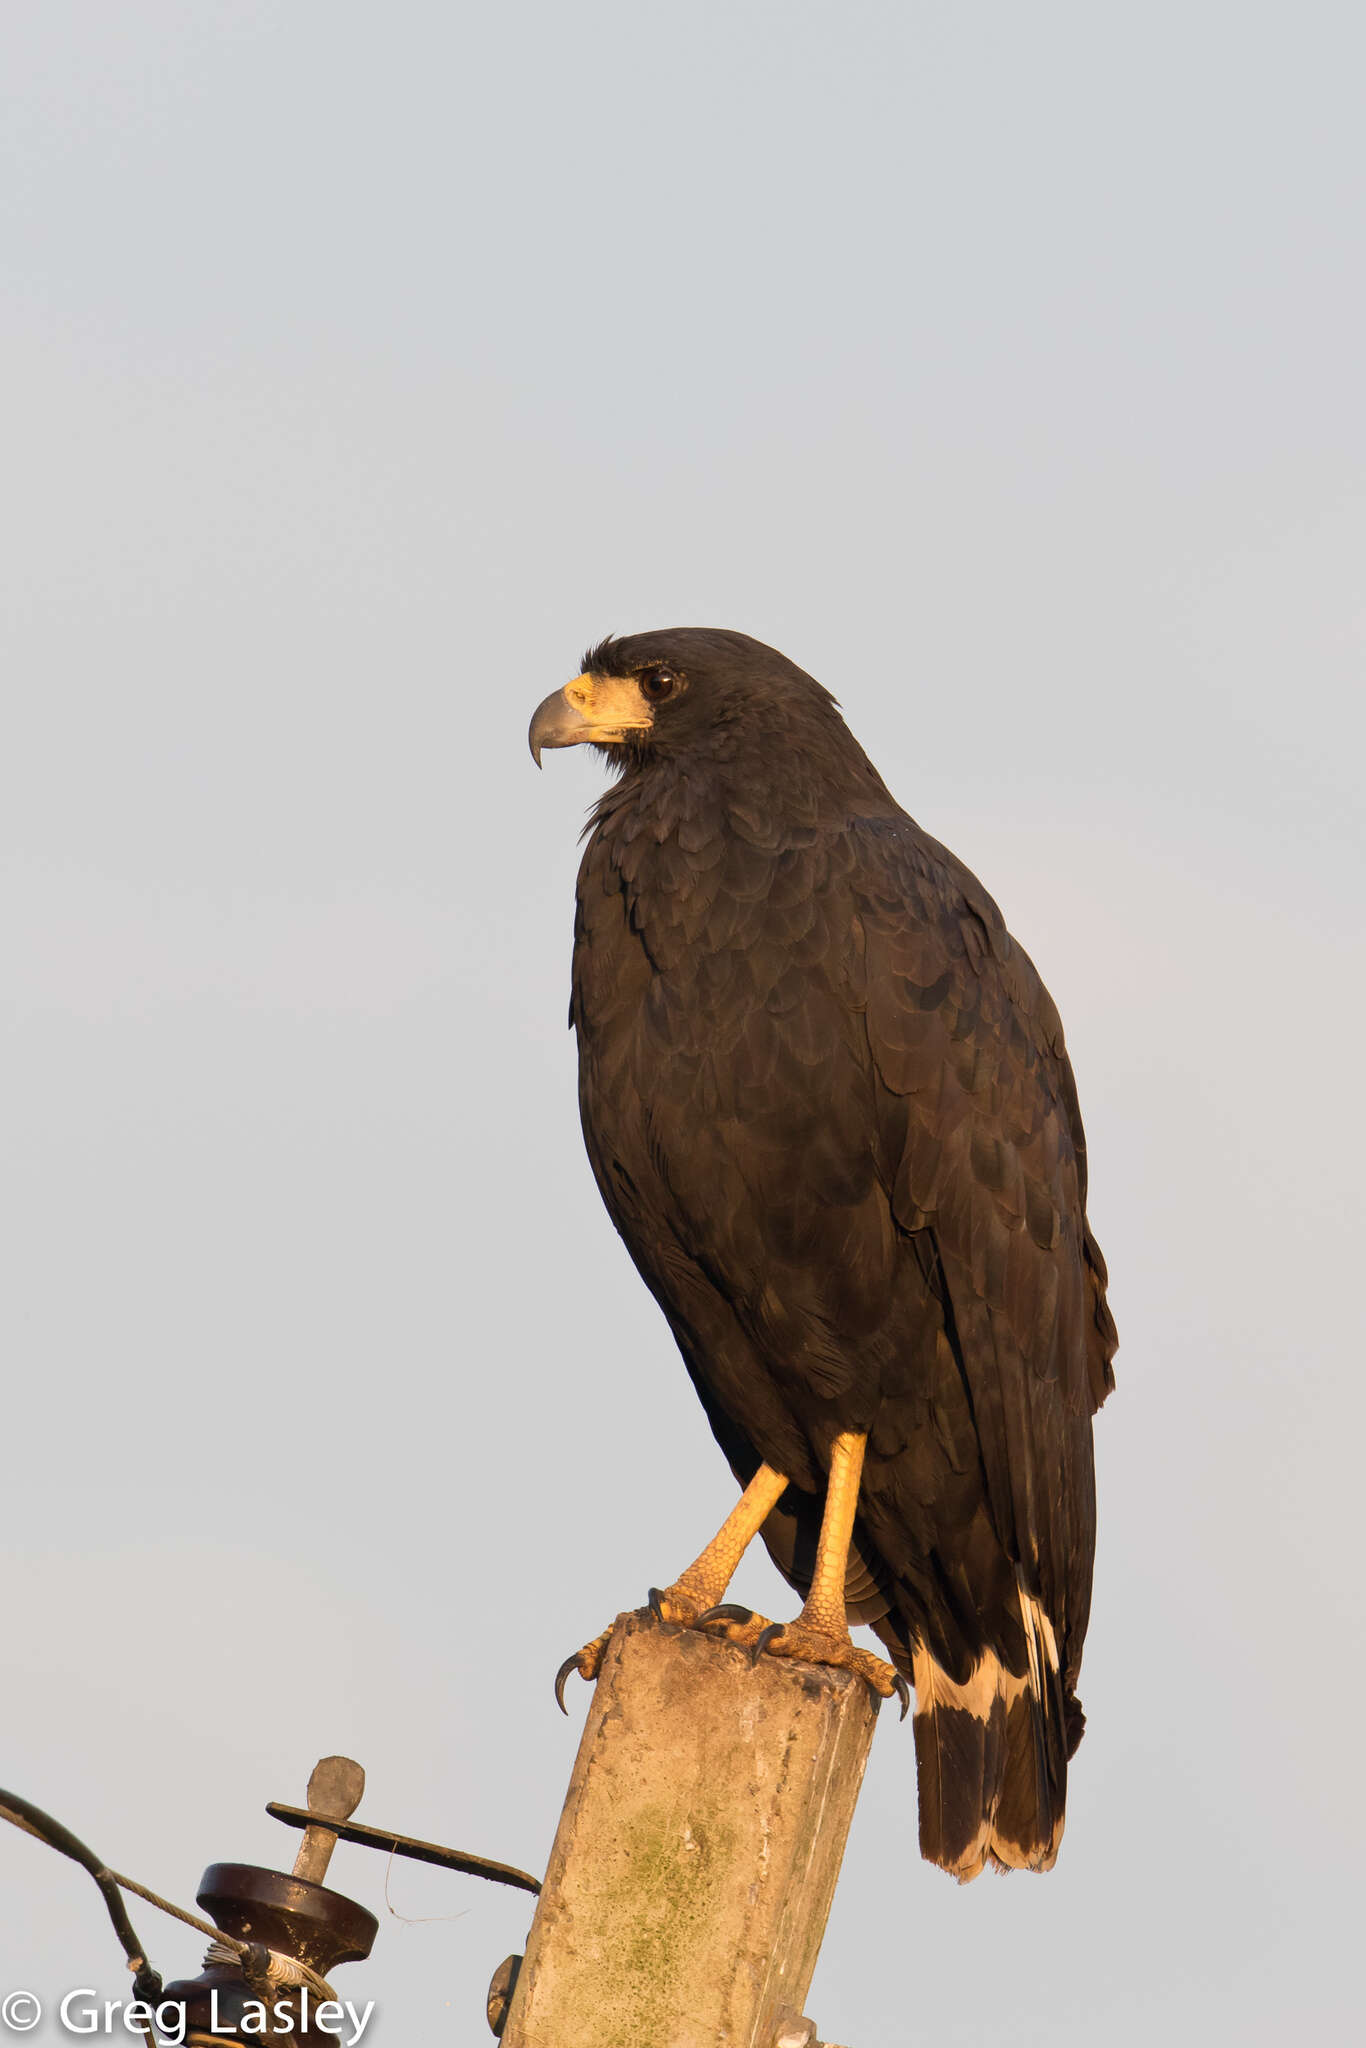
[[964, 1036]]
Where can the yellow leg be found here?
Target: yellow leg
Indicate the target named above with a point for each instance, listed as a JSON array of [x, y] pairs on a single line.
[[820, 1634], [824, 1609], [707, 1577]]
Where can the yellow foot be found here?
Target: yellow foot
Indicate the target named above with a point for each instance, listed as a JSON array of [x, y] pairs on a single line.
[[749, 1631], [810, 1645], [675, 1604]]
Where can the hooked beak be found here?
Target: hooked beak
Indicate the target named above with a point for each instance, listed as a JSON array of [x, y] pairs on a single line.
[[556, 723], [599, 708]]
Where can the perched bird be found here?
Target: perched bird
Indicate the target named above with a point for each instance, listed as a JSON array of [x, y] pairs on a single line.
[[828, 1106]]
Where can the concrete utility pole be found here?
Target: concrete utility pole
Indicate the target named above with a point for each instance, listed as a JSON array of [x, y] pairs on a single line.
[[698, 1850]]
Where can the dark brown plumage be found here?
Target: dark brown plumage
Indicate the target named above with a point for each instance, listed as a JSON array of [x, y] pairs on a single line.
[[828, 1106]]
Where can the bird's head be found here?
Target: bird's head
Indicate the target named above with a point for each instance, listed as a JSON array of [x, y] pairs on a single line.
[[684, 691]]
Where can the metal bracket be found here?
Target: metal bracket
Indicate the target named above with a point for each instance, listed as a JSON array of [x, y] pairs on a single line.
[[407, 1845]]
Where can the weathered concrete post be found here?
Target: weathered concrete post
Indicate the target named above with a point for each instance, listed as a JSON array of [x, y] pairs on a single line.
[[698, 1850]]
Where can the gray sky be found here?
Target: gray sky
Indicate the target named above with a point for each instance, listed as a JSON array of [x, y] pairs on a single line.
[[1003, 366]]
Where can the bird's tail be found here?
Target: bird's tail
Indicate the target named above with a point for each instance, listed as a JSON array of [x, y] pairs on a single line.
[[991, 1757]]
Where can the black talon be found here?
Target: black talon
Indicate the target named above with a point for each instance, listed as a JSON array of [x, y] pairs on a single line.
[[655, 1600], [729, 1610], [903, 1693], [775, 1628], [569, 1664]]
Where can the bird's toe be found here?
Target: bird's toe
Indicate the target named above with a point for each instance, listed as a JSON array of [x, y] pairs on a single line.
[[809, 1645], [732, 1623], [587, 1662]]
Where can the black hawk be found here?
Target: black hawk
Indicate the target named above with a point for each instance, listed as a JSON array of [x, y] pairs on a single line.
[[828, 1106]]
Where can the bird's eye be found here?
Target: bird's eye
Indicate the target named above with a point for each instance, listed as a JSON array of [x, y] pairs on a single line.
[[658, 683]]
